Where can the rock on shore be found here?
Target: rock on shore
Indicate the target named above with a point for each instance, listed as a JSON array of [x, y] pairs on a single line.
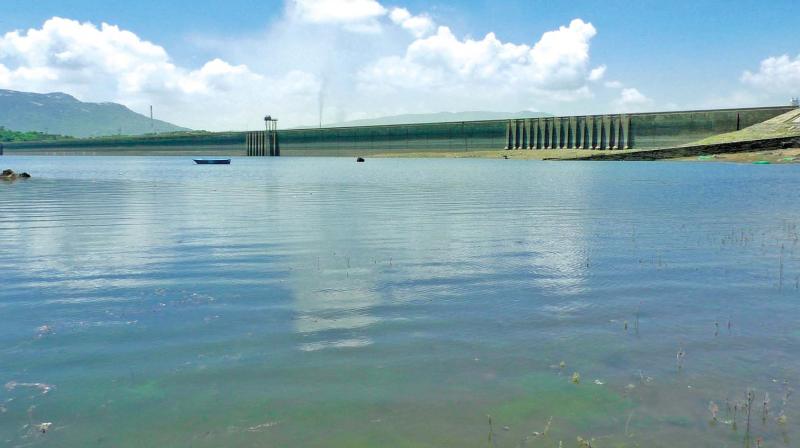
[[11, 175]]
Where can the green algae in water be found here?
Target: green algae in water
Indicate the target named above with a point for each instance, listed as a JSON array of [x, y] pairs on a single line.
[[544, 395]]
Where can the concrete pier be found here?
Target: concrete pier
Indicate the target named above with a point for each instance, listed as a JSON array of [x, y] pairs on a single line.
[[262, 144]]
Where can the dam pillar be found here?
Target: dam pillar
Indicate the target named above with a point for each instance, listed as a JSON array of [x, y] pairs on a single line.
[[538, 143], [509, 143], [534, 133], [629, 133], [598, 132], [560, 133], [622, 136], [572, 132], [547, 130], [555, 142], [591, 133], [612, 134], [523, 144], [270, 144]]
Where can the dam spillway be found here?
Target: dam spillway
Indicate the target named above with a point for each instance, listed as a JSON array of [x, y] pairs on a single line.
[[579, 132]]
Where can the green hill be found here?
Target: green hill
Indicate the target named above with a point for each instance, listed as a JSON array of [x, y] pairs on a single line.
[[59, 113]]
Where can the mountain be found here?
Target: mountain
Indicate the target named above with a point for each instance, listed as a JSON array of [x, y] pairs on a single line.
[[440, 117], [59, 113]]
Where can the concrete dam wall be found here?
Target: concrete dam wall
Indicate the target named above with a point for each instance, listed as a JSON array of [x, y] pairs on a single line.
[[619, 131], [614, 131]]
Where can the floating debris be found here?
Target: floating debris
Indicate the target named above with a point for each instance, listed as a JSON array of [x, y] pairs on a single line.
[[43, 331], [262, 426], [576, 378], [43, 388], [598, 382], [44, 427]]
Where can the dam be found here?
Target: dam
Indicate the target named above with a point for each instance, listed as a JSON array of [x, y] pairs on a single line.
[[654, 130]]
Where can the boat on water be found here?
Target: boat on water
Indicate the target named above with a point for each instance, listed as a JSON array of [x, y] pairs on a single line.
[[212, 161]]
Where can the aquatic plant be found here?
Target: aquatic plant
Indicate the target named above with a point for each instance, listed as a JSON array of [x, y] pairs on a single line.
[[714, 409], [628, 424], [780, 273], [750, 396], [490, 437], [547, 426], [787, 392], [576, 377], [765, 410], [535, 434], [679, 358]]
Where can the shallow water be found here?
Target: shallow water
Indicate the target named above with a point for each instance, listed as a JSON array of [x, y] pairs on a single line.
[[324, 303]]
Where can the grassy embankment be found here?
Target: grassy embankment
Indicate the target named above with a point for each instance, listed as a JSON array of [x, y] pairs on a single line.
[[773, 141], [783, 126]]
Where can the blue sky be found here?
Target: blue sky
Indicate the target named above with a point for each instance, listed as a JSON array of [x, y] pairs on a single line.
[[358, 58]]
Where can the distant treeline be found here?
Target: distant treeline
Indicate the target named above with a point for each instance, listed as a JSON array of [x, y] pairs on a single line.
[[7, 135]]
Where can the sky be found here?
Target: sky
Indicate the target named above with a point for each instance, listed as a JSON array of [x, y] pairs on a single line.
[[223, 65]]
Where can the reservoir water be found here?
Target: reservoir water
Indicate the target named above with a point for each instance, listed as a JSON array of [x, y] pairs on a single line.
[[316, 302]]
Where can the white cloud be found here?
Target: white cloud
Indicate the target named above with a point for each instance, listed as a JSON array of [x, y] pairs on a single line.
[[337, 11], [631, 100], [107, 63], [776, 75], [557, 66], [417, 25], [597, 73], [409, 66], [614, 84]]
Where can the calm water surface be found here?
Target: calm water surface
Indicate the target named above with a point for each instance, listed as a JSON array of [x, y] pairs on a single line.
[[300, 302]]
